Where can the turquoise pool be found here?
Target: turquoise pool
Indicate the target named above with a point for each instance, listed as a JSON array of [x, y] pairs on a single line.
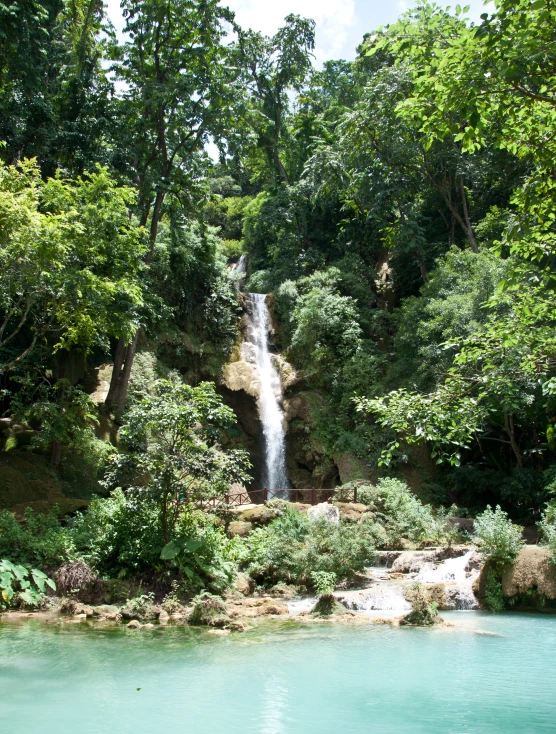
[[488, 674]]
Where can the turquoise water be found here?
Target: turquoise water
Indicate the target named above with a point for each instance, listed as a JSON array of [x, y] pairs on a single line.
[[282, 679]]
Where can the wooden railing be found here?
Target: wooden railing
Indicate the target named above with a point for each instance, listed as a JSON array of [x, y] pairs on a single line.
[[259, 496]]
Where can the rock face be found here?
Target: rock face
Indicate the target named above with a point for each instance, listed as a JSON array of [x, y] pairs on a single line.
[[324, 511], [533, 569]]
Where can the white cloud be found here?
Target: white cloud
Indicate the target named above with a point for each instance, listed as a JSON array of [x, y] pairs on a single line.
[[334, 18]]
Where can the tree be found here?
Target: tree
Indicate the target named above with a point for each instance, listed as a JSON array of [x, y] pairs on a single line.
[[272, 67], [179, 89], [70, 262], [172, 449]]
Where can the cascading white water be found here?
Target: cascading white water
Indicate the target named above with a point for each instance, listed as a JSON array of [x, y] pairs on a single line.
[[453, 570], [270, 395], [238, 272]]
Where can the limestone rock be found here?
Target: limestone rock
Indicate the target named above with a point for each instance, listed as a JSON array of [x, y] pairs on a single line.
[[163, 617], [259, 515], [239, 527], [532, 568], [134, 624], [324, 511], [241, 376], [351, 468], [243, 584]]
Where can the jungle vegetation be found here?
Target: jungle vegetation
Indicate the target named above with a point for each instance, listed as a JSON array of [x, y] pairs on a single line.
[[401, 208]]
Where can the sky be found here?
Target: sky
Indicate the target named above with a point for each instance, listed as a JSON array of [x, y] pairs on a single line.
[[341, 24]]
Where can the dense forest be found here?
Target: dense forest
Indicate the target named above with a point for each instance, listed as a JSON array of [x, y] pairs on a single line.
[[400, 209]]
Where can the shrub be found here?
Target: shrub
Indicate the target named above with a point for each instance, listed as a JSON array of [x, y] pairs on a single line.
[[497, 537], [494, 596], [402, 514], [140, 607], [22, 585], [119, 535], [547, 527], [39, 541], [290, 548], [323, 582], [424, 612]]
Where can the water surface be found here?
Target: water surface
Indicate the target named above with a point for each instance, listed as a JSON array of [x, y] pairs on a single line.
[[282, 678]]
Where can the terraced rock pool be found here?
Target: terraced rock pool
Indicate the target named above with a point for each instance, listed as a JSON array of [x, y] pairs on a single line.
[[488, 673]]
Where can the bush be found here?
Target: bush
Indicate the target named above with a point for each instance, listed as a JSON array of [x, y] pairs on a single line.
[[547, 527], [494, 596], [402, 514], [291, 548], [20, 585], [39, 541], [424, 612], [497, 537], [119, 535]]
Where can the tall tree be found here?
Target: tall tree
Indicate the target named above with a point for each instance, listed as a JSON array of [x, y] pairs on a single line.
[[273, 67], [179, 85]]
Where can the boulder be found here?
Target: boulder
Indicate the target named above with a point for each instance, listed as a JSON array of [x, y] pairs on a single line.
[[243, 584], [259, 515], [532, 569], [134, 624], [273, 607], [324, 511], [241, 376], [463, 524], [239, 527]]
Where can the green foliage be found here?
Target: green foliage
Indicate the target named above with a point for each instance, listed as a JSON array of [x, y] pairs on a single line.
[[172, 452], [424, 612], [70, 262], [40, 541], [547, 527], [118, 535], [323, 582], [401, 514], [494, 596], [21, 585], [497, 537], [291, 548]]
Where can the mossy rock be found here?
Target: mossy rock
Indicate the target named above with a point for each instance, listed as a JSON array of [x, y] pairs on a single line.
[[210, 611], [327, 605], [259, 515]]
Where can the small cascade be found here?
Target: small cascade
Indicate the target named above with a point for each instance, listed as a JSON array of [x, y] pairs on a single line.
[[238, 272], [381, 597], [270, 393], [453, 570]]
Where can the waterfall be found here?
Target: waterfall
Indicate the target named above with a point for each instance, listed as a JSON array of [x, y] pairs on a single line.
[[238, 272], [270, 395], [453, 570]]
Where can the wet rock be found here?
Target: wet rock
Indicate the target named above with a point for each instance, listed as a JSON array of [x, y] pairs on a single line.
[[134, 624], [163, 617], [237, 626], [148, 626], [475, 563], [324, 511], [240, 528], [386, 558]]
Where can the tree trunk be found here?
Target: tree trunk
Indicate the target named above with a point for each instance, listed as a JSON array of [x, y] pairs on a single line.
[[123, 362], [422, 267], [55, 453], [510, 431], [469, 227]]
